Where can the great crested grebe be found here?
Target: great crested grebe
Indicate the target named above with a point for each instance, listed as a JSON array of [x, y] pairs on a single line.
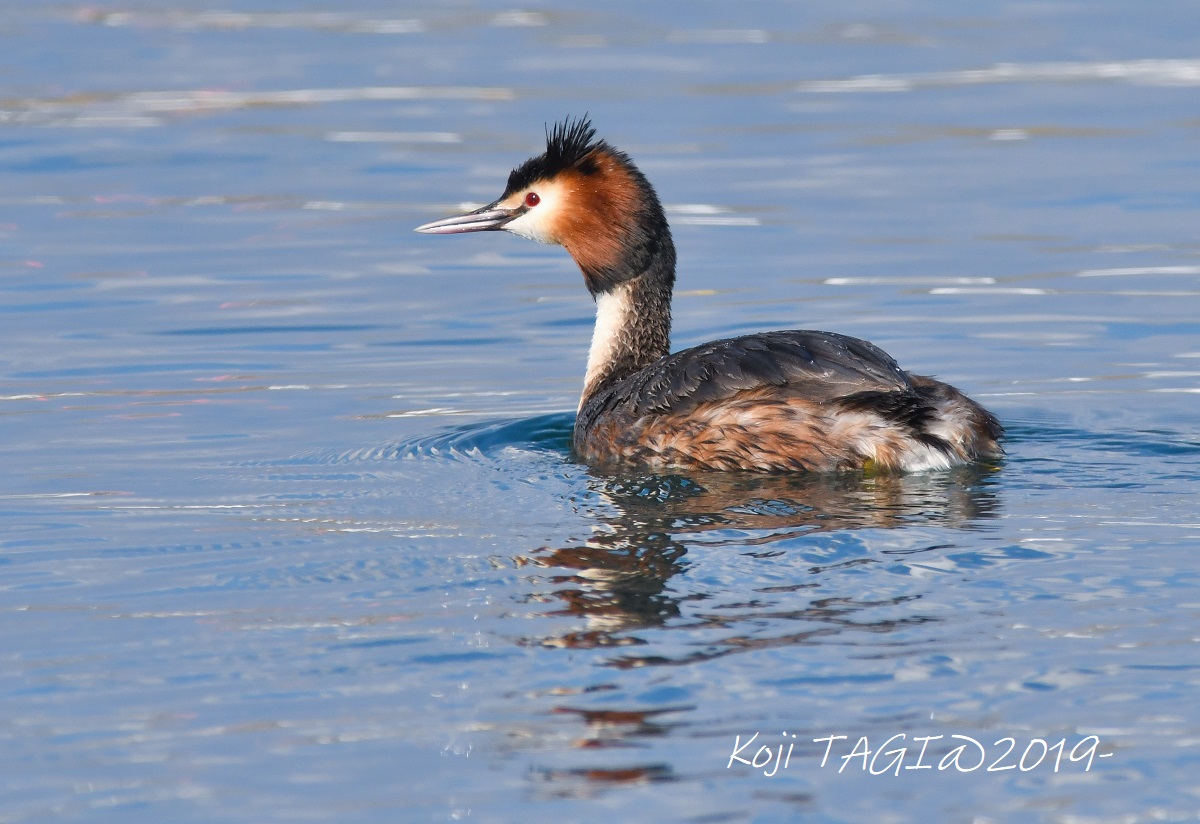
[[773, 401]]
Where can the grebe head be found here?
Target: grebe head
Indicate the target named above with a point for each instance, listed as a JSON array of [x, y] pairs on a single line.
[[586, 196]]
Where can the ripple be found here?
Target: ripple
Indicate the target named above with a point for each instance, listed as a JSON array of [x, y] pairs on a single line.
[[239, 21], [146, 108], [1141, 443], [484, 440], [1141, 72]]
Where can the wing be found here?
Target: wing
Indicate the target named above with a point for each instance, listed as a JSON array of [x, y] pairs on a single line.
[[818, 366]]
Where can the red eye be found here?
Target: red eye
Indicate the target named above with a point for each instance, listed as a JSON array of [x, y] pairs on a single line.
[[532, 199]]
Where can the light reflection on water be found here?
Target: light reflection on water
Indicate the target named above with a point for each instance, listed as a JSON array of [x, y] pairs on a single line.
[[290, 528]]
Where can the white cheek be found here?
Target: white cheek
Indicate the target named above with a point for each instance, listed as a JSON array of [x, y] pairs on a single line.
[[529, 225], [536, 223]]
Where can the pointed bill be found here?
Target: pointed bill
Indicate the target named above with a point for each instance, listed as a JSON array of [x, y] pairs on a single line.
[[487, 219]]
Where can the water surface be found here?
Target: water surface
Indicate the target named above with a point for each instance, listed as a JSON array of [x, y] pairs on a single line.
[[289, 528]]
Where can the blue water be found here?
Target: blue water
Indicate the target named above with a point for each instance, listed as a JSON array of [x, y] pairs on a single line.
[[289, 528]]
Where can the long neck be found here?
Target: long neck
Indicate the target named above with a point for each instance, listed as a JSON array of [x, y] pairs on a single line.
[[633, 326]]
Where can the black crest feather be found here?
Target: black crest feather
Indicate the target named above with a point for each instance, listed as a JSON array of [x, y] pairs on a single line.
[[571, 144]]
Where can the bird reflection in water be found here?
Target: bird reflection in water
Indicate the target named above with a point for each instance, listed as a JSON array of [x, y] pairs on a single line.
[[617, 580], [625, 582]]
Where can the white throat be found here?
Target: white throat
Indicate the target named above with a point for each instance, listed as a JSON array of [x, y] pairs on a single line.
[[613, 314]]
